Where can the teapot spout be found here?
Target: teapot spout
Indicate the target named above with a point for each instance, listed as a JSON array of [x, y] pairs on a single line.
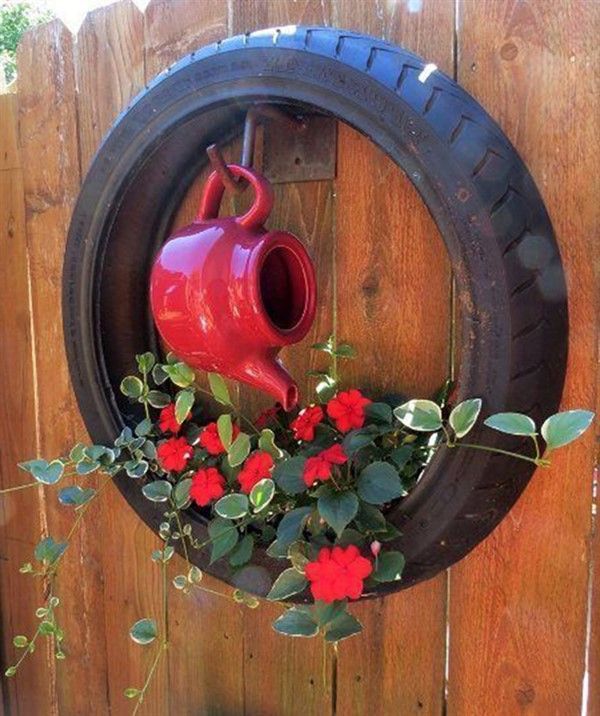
[[268, 374]]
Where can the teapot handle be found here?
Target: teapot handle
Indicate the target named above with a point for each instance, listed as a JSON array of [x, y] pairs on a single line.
[[261, 207]]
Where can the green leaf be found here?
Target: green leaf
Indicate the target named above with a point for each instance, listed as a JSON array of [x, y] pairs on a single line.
[[420, 415], [378, 413], [44, 472], [262, 493], [224, 537], [239, 450], [464, 416], [289, 582], [278, 550], [342, 627], [296, 622], [180, 581], [145, 362], [389, 567], [291, 525], [20, 641], [326, 612], [225, 429], [49, 551], [288, 475], [75, 496], [159, 375], [345, 350], [562, 428], [401, 455], [219, 389], [183, 404], [144, 631], [511, 423], [266, 442], [86, 466], [132, 386], [232, 507], [181, 492], [326, 389], [242, 552], [136, 468], [180, 374], [369, 518], [157, 399], [157, 491], [355, 440], [143, 428], [77, 452], [379, 483], [323, 347], [338, 509]]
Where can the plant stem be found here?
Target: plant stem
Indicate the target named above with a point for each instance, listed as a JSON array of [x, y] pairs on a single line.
[[20, 487], [164, 642], [534, 460], [183, 538]]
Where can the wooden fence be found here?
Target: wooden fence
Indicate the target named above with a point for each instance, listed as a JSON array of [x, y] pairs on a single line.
[[513, 628]]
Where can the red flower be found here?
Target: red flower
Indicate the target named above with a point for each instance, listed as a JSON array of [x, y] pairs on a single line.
[[210, 440], [267, 416], [174, 454], [347, 410], [207, 485], [167, 421], [304, 425], [319, 466], [256, 467], [338, 573]]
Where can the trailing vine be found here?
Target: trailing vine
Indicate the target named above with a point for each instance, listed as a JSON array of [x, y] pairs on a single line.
[[312, 488]]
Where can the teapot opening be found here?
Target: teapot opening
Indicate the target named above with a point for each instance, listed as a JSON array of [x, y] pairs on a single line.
[[283, 287]]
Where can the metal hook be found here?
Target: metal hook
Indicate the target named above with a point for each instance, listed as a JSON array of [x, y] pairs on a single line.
[[253, 117]]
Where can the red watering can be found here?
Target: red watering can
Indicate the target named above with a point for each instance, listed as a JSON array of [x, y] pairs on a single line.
[[227, 294]]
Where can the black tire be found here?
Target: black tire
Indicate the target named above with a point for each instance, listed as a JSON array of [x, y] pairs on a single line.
[[511, 287]]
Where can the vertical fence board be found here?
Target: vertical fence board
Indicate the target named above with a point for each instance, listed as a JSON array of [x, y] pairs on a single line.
[[31, 690], [518, 603], [396, 312], [204, 627], [172, 30], [299, 670], [48, 139], [110, 71]]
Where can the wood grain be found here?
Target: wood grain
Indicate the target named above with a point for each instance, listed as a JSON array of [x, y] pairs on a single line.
[[206, 630], [110, 71], [518, 603], [49, 145], [18, 537], [396, 313], [174, 29], [301, 669]]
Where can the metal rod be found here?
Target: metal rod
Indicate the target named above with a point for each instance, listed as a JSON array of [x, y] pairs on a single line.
[[253, 117], [220, 166]]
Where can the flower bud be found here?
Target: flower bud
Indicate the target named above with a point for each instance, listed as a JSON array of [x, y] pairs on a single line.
[[375, 548]]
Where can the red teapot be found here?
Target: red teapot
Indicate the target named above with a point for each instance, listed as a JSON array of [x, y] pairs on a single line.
[[227, 294]]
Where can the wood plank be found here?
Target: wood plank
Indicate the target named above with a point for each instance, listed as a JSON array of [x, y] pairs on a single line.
[[172, 30], [396, 313], [210, 678], [49, 144], [110, 71], [518, 603], [31, 690], [300, 671]]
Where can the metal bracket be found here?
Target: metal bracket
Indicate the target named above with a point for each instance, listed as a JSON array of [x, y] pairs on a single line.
[[305, 152]]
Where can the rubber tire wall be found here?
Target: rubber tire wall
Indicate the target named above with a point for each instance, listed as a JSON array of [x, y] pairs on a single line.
[[510, 285]]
